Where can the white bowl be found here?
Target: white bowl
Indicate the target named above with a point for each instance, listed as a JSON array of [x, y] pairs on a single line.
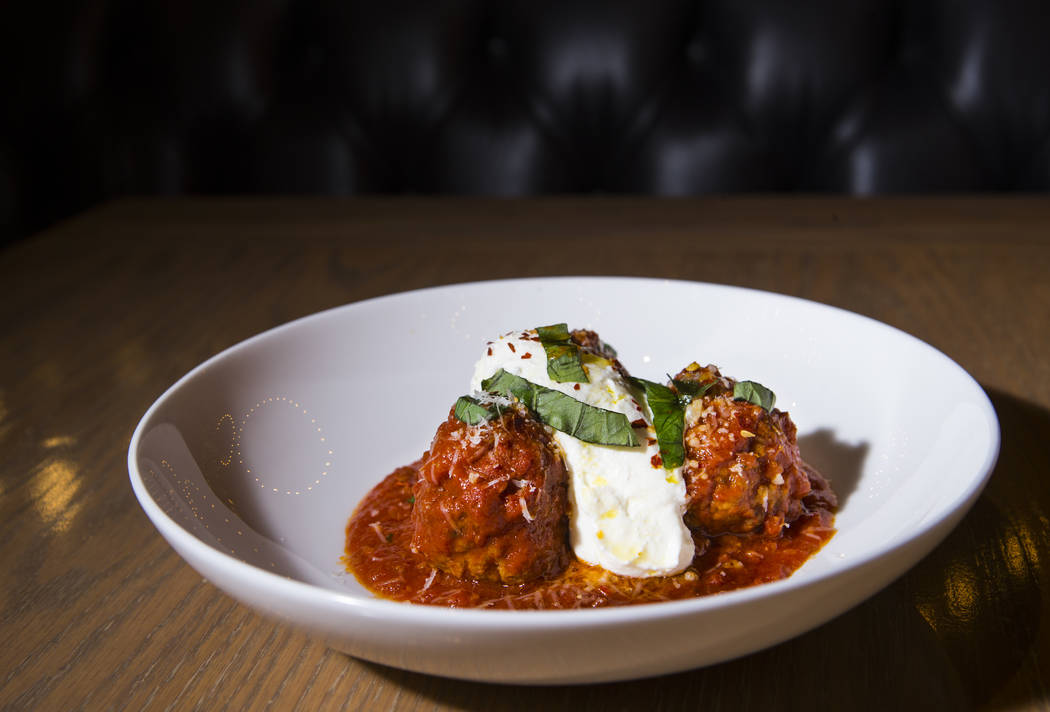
[[251, 464]]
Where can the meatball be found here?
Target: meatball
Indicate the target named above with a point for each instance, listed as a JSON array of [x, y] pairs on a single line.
[[490, 501], [743, 470]]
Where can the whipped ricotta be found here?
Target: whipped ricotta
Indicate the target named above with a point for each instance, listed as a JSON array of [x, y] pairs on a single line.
[[625, 509]]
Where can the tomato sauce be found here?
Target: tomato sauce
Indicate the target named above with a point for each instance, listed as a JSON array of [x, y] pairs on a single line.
[[378, 553]]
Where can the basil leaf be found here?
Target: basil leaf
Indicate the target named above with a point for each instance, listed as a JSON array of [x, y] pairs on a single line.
[[563, 356], [753, 392], [554, 333], [691, 390], [564, 365], [668, 421], [472, 412], [564, 413]]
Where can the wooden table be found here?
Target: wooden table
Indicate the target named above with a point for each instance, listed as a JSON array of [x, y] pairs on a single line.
[[102, 313]]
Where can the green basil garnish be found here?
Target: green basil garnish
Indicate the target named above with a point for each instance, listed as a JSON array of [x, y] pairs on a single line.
[[564, 413], [668, 421], [563, 356], [554, 332], [690, 390], [754, 393], [472, 412]]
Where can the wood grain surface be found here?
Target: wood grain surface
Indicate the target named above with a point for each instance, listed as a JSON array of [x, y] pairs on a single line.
[[102, 313]]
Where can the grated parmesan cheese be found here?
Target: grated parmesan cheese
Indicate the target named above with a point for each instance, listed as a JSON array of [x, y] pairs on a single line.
[[525, 508], [430, 579]]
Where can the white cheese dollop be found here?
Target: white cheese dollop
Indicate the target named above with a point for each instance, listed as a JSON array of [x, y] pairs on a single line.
[[625, 511]]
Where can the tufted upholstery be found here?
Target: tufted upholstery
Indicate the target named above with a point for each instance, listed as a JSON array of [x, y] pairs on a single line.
[[508, 97]]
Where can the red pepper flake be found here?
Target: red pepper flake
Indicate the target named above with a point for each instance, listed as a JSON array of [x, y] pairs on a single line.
[[575, 386], [640, 423], [526, 355], [652, 441], [513, 350], [656, 461], [490, 350]]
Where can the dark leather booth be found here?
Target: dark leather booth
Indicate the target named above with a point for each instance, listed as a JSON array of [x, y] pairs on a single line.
[[502, 97]]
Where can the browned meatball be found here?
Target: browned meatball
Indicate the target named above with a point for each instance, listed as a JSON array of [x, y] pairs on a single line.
[[743, 470], [490, 501]]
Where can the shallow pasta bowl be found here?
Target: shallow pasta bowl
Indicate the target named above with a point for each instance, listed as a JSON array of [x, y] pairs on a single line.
[[251, 464]]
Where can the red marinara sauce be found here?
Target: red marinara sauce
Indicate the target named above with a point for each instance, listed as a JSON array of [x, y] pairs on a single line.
[[378, 553]]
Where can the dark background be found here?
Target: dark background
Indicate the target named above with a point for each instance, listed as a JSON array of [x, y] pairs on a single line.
[[103, 98]]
